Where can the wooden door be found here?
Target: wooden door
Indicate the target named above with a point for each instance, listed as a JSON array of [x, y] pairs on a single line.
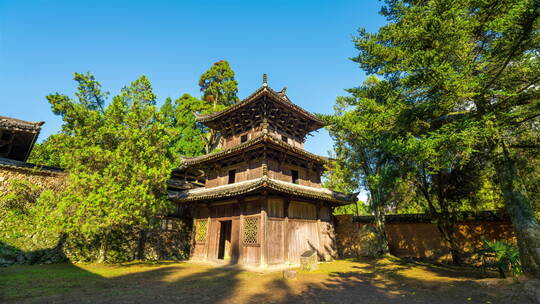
[[213, 239], [224, 245]]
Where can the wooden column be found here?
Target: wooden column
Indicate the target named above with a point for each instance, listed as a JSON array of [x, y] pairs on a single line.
[[263, 226], [286, 202], [241, 231], [208, 230], [319, 237]]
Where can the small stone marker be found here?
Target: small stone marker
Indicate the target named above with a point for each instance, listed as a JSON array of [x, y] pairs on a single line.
[[308, 260], [289, 274]]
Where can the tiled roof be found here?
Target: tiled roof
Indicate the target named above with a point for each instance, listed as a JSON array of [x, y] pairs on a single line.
[[20, 125], [189, 161], [248, 186], [264, 90]]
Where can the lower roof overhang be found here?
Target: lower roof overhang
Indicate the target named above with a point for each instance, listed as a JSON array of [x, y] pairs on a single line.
[[263, 184]]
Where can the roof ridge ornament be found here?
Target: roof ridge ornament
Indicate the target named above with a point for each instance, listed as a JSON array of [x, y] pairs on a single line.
[[265, 80]]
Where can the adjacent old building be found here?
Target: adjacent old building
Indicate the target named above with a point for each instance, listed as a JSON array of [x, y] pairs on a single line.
[[258, 200], [17, 137]]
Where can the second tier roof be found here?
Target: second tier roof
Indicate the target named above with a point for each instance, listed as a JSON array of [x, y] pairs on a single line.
[[253, 143]]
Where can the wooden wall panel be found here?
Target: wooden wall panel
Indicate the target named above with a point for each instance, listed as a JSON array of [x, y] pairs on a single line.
[[198, 251], [275, 207], [235, 140], [255, 169], [227, 210], [324, 213], [213, 239], [275, 241], [200, 212], [291, 140], [302, 236], [212, 179], [301, 210], [252, 254], [306, 177], [252, 207], [241, 173], [314, 178]]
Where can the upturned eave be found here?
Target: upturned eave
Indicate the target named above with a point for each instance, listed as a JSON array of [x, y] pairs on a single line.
[[14, 124], [264, 183]]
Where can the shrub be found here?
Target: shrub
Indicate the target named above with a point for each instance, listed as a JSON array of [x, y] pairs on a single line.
[[503, 256]]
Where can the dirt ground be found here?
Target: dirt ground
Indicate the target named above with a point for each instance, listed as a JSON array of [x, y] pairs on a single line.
[[343, 281]]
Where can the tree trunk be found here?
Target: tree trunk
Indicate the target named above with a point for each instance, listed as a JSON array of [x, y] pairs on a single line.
[[445, 224], [521, 214], [104, 244], [381, 230], [447, 231], [141, 244]]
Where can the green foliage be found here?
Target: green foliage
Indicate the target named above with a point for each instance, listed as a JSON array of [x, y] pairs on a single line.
[[117, 156], [457, 100], [219, 91], [29, 225], [45, 154], [358, 208], [189, 138], [219, 86], [19, 197], [362, 128], [503, 256]]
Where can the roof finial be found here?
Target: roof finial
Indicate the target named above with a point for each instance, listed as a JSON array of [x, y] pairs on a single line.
[[265, 81]]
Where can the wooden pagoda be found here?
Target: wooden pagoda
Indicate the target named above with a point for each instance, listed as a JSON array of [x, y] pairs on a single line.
[[259, 200]]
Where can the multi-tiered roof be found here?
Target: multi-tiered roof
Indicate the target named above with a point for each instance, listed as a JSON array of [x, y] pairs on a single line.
[[265, 126]]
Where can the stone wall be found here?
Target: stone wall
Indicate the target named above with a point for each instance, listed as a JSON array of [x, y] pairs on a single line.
[[421, 239], [46, 179]]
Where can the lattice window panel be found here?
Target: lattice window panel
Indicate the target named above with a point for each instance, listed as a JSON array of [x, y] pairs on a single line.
[[200, 231], [251, 230]]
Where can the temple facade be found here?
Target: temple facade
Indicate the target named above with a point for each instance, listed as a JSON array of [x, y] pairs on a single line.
[[258, 200]]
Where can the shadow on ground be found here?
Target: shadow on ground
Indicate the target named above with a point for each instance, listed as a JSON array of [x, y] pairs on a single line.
[[342, 281], [384, 281]]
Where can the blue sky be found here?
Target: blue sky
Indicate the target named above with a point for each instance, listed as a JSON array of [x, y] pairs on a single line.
[[304, 45]]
